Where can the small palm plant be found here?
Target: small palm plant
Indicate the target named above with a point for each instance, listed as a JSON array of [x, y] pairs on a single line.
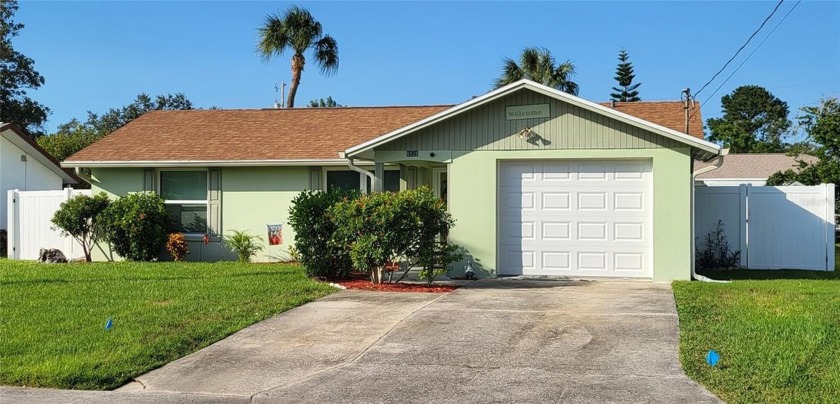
[[243, 244]]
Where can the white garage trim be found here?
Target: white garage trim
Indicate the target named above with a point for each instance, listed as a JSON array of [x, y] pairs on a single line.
[[575, 218]]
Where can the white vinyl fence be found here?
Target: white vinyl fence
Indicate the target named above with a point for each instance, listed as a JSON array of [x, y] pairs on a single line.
[[789, 227], [29, 223]]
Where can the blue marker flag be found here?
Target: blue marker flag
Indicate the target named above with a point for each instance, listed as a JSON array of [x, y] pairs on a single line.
[[109, 324], [712, 358]]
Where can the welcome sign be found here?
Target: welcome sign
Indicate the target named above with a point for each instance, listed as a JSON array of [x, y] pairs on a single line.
[[535, 111]]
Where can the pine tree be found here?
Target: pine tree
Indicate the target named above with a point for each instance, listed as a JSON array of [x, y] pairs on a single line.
[[626, 92]]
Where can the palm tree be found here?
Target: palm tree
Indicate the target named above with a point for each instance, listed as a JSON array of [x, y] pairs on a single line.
[[538, 65], [297, 30]]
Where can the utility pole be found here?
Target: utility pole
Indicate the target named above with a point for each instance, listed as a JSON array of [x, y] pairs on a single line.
[[688, 102], [283, 94]]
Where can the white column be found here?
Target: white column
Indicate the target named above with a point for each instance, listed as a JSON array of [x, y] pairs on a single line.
[[378, 177]]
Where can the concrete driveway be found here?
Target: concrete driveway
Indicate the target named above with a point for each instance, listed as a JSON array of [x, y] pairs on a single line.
[[490, 341]]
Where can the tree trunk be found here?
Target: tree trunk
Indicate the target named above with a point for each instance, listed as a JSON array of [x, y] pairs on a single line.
[[297, 68]]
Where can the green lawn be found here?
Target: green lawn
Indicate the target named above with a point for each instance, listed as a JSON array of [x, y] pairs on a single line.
[[52, 317], [778, 333]]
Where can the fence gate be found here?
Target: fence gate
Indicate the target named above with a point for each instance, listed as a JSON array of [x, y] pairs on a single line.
[[29, 226], [789, 227]]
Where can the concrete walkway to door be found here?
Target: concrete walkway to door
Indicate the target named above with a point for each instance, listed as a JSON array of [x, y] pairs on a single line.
[[490, 341]]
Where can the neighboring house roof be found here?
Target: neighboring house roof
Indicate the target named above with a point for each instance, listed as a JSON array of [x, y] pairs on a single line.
[[752, 165], [701, 149], [318, 135], [670, 114], [22, 140], [264, 136]]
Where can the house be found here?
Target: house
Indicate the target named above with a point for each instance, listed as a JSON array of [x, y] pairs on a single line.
[[539, 182], [26, 166], [749, 168]]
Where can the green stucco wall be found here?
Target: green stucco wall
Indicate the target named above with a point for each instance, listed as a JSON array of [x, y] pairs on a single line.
[[251, 198], [256, 196], [473, 202], [116, 181]]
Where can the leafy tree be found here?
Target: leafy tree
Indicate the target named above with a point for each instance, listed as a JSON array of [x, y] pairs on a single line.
[[17, 74], [322, 103], [79, 217], [626, 90], [75, 135], [537, 64], [822, 124], [298, 31], [754, 121]]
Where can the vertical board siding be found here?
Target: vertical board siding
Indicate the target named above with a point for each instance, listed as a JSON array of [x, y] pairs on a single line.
[[569, 127]]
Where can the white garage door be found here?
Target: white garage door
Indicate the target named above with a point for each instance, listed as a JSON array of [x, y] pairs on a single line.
[[576, 218]]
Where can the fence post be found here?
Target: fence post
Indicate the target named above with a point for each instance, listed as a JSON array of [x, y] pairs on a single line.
[[828, 189], [744, 215], [68, 243], [12, 249]]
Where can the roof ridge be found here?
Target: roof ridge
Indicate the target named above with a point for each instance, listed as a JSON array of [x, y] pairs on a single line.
[[306, 108]]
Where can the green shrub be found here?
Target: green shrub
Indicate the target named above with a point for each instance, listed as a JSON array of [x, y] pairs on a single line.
[[80, 217], [386, 226], [713, 251], [315, 245], [136, 226], [4, 239], [243, 244]]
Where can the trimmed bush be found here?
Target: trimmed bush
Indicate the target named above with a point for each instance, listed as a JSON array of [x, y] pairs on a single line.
[[136, 226], [80, 217], [387, 226], [315, 244]]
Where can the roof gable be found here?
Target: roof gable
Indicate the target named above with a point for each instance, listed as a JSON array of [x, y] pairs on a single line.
[[566, 127], [22, 140], [702, 149]]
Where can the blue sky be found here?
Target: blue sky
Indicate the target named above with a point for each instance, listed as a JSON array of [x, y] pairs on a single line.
[[97, 55]]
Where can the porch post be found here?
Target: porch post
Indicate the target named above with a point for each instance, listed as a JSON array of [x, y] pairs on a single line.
[[378, 176]]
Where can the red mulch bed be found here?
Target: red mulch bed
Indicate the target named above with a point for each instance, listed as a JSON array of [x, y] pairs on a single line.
[[362, 282]]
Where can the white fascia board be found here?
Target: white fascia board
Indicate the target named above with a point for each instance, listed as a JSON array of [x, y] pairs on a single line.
[[701, 144], [204, 163]]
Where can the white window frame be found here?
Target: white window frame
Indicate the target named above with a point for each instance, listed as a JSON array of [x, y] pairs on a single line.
[[206, 202], [325, 186]]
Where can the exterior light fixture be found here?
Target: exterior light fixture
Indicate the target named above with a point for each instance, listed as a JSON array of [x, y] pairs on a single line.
[[528, 134]]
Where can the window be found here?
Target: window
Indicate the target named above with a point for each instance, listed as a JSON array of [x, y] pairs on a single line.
[[348, 179], [185, 195]]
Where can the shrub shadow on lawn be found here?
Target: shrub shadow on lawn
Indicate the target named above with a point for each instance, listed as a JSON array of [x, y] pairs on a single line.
[[757, 274]]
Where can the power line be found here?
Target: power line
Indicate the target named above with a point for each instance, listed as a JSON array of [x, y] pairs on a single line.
[[753, 52], [741, 48]]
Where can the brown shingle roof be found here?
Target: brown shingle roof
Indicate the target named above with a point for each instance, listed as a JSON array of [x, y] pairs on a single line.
[[271, 134], [753, 165], [288, 134], [669, 114]]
